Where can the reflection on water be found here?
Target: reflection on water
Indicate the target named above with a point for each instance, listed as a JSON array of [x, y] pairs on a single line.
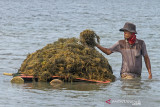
[[133, 86], [81, 86], [77, 86]]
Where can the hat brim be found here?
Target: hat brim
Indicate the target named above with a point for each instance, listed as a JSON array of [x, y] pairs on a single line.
[[123, 29]]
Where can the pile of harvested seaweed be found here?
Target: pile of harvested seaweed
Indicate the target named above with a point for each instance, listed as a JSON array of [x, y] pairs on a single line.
[[70, 58]]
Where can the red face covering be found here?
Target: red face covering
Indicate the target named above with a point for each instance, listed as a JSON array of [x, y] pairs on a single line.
[[132, 39]]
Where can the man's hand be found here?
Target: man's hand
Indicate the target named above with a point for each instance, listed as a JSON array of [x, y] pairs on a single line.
[[150, 76]]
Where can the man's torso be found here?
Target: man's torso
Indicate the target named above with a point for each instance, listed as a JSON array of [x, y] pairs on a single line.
[[131, 55]]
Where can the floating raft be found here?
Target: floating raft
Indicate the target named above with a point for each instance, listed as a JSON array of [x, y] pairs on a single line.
[[31, 78]]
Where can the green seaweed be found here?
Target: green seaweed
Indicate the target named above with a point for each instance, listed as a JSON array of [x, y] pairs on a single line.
[[70, 59]]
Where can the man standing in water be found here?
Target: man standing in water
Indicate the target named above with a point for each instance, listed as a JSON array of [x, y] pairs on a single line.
[[132, 50]]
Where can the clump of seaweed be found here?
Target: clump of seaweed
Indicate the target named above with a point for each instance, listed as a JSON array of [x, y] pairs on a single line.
[[69, 59], [87, 37]]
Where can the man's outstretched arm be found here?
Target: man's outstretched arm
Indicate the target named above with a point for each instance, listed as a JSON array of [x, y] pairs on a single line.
[[105, 50], [148, 65]]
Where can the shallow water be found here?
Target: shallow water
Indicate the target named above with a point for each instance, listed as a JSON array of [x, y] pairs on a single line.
[[28, 25]]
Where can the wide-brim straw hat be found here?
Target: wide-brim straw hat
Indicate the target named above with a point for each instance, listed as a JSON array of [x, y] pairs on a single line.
[[129, 27]]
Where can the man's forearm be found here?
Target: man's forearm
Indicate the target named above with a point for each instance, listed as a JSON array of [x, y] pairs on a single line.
[[148, 64], [105, 50]]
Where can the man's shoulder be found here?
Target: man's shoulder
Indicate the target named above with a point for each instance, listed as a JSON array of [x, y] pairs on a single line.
[[121, 41], [140, 41]]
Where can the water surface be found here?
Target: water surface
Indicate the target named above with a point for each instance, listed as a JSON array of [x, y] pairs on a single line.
[[28, 25]]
